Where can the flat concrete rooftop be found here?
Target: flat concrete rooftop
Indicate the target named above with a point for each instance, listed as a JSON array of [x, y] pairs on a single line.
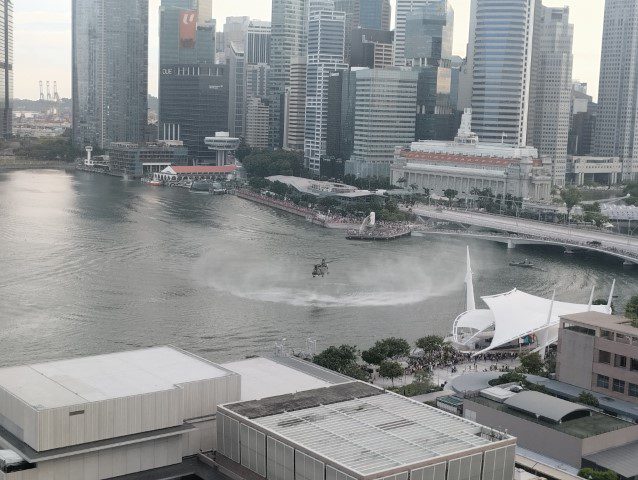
[[607, 322], [102, 377], [366, 430], [302, 400]]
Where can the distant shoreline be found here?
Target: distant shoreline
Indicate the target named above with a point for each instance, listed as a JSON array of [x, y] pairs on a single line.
[[13, 163]]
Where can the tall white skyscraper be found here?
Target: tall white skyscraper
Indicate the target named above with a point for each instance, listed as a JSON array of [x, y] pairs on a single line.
[[616, 123], [287, 42], [326, 49], [501, 40], [404, 8], [551, 88]]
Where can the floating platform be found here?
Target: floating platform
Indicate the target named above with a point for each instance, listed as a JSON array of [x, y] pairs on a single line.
[[378, 235]]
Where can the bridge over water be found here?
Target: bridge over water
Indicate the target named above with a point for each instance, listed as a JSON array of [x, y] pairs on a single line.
[[517, 231]]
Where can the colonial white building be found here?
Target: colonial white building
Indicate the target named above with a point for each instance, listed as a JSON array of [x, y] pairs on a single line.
[[466, 164]]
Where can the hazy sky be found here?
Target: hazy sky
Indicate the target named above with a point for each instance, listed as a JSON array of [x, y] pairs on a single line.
[[43, 38]]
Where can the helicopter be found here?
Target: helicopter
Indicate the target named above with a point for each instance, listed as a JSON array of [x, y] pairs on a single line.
[[321, 269]]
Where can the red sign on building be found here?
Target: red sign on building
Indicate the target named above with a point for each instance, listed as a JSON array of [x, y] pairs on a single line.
[[187, 28]]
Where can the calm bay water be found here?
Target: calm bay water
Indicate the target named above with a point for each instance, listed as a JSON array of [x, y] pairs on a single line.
[[92, 264]]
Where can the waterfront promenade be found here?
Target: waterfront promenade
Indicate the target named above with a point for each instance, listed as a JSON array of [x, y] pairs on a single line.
[[523, 231]]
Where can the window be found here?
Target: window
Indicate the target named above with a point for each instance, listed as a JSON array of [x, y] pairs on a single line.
[[579, 329], [633, 364], [623, 338], [618, 386], [620, 361], [633, 390], [604, 357], [607, 334], [602, 382]]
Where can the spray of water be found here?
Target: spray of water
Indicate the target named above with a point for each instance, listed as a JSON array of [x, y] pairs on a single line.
[[386, 280]]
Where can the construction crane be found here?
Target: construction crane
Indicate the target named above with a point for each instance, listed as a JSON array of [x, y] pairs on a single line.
[[41, 91], [48, 91], [56, 97]]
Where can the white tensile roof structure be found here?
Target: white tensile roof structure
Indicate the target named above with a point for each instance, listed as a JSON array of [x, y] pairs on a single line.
[[515, 315]]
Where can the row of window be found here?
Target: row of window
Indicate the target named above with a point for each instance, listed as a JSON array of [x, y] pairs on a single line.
[[617, 385], [619, 361]]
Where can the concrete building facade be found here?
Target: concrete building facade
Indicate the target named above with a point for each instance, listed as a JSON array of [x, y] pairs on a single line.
[[588, 169], [375, 14], [257, 112], [551, 88], [326, 44], [111, 415], [372, 48], [500, 59], [131, 160], [384, 119], [404, 8], [466, 164], [295, 106], [599, 353], [616, 122], [110, 71], [236, 64], [6, 68], [288, 42]]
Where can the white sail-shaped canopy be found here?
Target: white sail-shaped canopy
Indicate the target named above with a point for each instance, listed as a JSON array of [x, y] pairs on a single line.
[[515, 314]]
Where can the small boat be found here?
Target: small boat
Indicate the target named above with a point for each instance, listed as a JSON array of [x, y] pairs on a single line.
[[151, 182], [524, 264], [201, 186]]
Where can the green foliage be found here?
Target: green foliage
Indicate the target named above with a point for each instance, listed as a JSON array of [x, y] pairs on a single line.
[[258, 183], [450, 194], [509, 377], [591, 474], [279, 188], [357, 372], [572, 197], [603, 301], [587, 398], [430, 343], [416, 388], [532, 363], [338, 359], [265, 163], [59, 148], [391, 370], [591, 208], [631, 310], [369, 183], [374, 356], [383, 349], [426, 192], [243, 151], [597, 219]]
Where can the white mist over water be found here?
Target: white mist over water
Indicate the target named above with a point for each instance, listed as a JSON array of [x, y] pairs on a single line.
[[385, 280]]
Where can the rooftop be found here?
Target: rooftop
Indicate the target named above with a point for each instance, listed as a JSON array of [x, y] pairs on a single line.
[[465, 158], [101, 377], [264, 377], [364, 429], [546, 406], [584, 427], [607, 322], [622, 460], [201, 169]]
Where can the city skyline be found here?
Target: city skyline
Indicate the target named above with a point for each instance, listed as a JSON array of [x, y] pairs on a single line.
[[35, 19]]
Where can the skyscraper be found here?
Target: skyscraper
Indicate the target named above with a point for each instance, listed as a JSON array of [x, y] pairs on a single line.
[[384, 119], [257, 44], [288, 41], [175, 44], [235, 30], [236, 64], [551, 88], [326, 40], [110, 71], [372, 48], [500, 54], [349, 7], [375, 14], [616, 122], [191, 87], [404, 8], [6, 67], [428, 48], [294, 106]]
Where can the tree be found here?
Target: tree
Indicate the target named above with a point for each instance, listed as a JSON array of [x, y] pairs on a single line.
[[374, 356], [391, 370], [603, 301], [591, 474], [532, 363], [338, 359], [572, 197], [450, 194], [631, 310], [426, 192], [430, 344], [394, 347], [587, 398]]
